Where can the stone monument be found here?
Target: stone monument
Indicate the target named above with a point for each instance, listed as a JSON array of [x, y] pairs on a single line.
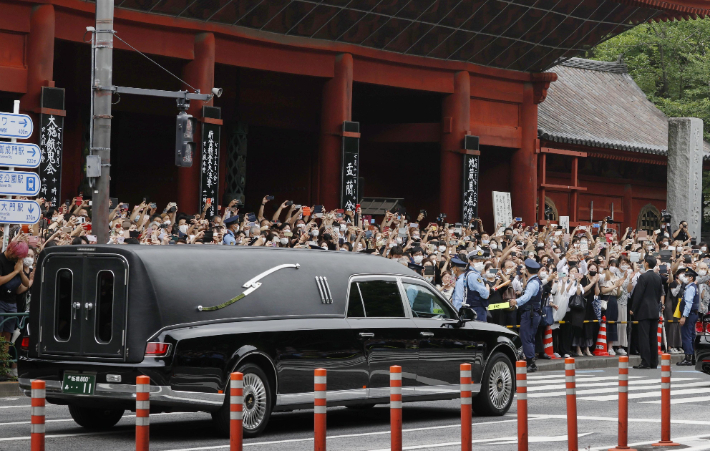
[[685, 173]]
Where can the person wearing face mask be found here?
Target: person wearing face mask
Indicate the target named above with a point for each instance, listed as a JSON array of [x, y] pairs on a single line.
[[417, 256], [12, 277], [447, 285], [689, 307], [530, 306], [470, 288], [646, 301], [232, 224]]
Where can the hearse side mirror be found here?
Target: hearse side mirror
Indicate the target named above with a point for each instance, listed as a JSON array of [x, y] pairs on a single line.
[[466, 314]]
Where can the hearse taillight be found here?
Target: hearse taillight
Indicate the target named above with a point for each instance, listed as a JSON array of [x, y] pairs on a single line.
[[155, 349], [25, 344]]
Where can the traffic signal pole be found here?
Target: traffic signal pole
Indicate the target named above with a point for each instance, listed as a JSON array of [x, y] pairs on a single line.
[[101, 120]]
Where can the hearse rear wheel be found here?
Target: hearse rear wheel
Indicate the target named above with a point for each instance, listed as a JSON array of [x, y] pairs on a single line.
[[497, 387], [96, 419], [257, 403]]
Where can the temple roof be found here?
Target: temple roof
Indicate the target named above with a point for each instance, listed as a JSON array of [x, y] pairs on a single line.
[[522, 35], [598, 104]]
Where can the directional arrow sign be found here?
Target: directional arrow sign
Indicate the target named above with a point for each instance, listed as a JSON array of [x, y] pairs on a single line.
[[14, 211], [19, 155], [19, 183], [15, 126]]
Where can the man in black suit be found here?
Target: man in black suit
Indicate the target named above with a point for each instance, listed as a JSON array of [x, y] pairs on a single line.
[[646, 303]]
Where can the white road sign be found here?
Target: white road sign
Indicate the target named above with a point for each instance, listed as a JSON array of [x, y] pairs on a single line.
[[19, 183], [13, 211], [15, 126], [19, 155]]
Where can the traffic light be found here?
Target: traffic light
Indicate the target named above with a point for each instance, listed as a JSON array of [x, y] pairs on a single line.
[[184, 140]]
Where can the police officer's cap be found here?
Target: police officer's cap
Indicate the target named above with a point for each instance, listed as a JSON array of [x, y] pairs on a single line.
[[532, 264], [415, 267], [231, 220], [458, 262], [480, 254], [690, 272]]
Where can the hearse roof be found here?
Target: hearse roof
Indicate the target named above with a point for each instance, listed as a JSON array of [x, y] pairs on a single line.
[[178, 279]]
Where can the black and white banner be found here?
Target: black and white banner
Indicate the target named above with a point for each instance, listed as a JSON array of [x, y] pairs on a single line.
[[351, 166], [470, 188], [209, 168], [51, 144]]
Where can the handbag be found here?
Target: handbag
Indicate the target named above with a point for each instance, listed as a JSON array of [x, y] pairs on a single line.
[[677, 314], [576, 302], [548, 316]]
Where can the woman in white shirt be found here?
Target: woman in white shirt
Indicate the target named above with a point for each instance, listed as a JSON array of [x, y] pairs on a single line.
[[562, 291]]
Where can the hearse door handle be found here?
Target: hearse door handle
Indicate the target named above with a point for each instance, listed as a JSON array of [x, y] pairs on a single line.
[[366, 335], [75, 306], [426, 334], [88, 306]]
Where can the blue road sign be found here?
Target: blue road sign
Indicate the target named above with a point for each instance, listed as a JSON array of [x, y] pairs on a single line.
[[19, 155], [17, 183], [15, 126], [13, 211]]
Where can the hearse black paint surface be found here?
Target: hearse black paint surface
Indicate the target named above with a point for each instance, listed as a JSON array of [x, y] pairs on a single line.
[[353, 314]]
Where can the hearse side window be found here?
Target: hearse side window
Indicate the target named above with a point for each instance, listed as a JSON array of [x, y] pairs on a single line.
[[62, 305], [104, 306], [381, 299], [355, 308], [426, 304]]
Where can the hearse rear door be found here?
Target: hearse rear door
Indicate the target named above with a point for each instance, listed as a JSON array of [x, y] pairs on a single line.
[[83, 306]]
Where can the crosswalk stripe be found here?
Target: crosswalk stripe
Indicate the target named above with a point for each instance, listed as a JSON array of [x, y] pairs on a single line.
[[614, 389], [680, 400], [553, 376], [655, 393], [583, 384], [585, 380]]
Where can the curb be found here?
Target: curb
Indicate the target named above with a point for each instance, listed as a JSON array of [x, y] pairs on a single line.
[[586, 363], [8, 389]]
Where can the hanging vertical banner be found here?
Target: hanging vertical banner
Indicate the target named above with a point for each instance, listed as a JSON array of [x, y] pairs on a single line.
[[351, 166], [51, 144], [470, 179], [209, 168]]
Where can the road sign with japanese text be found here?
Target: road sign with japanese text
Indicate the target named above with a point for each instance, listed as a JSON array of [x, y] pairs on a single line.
[[15, 126], [16, 183], [19, 155], [14, 211]]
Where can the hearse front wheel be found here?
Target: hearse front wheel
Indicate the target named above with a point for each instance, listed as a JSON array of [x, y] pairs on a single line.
[[96, 419], [497, 387], [257, 403]]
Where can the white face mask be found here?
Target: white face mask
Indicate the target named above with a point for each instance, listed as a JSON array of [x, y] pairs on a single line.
[[314, 232], [167, 222], [702, 272], [442, 248], [494, 246], [300, 226], [485, 241], [325, 248], [284, 241], [418, 259], [27, 261], [343, 227], [183, 228], [683, 279], [679, 249], [704, 249], [542, 275], [478, 266]]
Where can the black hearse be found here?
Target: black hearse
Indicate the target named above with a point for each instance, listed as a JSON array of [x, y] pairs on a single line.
[[702, 344], [187, 316]]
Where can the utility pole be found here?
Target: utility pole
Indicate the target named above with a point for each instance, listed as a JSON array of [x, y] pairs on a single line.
[[101, 120]]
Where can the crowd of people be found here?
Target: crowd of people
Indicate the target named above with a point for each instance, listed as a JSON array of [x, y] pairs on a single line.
[[582, 276]]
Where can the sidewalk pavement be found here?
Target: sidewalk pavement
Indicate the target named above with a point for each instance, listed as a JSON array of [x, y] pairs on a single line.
[[9, 389], [585, 363]]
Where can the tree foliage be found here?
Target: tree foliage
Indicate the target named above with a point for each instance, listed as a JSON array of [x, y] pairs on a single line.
[[670, 61]]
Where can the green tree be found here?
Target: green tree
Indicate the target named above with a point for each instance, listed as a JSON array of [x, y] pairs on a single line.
[[670, 61]]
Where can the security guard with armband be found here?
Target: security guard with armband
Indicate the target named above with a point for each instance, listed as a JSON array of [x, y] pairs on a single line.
[[689, 315], [470, 288], [530, 307]]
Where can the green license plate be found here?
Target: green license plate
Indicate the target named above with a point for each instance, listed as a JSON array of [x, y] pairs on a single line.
[[80, 384]]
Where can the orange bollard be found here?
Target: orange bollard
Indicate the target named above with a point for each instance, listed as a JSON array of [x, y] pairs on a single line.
[[236, 411], [37, 428], [319, 409], [521, 384], [623, 405], [466, 410], [142, 413], [571, 387], [396, 407], [666, 402], [659, 334]]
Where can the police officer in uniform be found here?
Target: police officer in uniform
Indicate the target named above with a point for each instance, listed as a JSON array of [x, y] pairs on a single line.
[[530, 308], [232, 224], [689, 315], [470, 288]]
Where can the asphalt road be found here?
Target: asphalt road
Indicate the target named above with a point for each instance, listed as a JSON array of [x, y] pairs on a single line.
[[427, 426]]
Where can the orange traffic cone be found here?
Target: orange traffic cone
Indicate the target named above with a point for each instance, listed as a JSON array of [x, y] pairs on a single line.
[[659, 334], [547, 343], [600, 350]]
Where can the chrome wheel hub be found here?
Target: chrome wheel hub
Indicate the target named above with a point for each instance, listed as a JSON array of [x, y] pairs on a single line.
[[254, 401], [500, 385]]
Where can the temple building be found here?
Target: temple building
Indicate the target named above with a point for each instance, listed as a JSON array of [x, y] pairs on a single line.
[[417, 76]]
